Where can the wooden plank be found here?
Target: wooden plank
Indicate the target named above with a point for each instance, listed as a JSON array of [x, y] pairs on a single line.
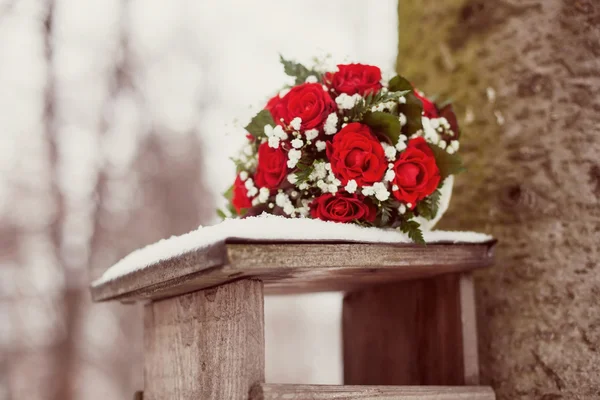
[[407, 333], [205, 345], [269, 391], [469, 330], [295, 267]]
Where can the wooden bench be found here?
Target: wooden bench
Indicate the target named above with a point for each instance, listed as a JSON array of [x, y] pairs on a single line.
[[409, 328]]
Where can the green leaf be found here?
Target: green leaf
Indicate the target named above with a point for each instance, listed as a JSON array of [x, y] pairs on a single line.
[[385, 123], [399, 83], [412, 109], [297, 70], [256, 127], [228, 193], [448, 164], [221, 214], [428, 207], [413, 230]]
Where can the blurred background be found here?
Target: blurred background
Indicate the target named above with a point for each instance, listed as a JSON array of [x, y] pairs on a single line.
[[117, 121]]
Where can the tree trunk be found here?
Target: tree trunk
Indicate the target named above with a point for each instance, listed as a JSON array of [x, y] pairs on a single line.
[[525, 77]]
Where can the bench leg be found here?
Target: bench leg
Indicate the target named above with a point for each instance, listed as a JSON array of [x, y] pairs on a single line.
[[418, 332], [205, 345]]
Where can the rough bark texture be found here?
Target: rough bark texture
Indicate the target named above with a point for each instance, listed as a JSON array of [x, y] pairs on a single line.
[[526, 78]]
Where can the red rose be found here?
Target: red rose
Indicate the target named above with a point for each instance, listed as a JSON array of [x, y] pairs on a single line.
[[354, 78], [342, 207], [272, 166], [307, 101], [240, 197], [356, 154], [429, 108], [272, 103], [417, 175]]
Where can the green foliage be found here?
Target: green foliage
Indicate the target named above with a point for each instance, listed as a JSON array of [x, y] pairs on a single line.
[[386, 210], [297, 70], [448, 164], [239, 165], [400, 83], [385, 123], [228, 194], [221, 214], [412, 109], [413, 230], [303, 169], [428, 207], [372, 100], [256, 127]]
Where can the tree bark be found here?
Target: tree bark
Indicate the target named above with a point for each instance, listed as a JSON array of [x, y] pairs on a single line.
[[525, 77]]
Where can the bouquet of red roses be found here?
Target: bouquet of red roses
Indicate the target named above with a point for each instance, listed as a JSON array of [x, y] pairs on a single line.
[[344, 146]]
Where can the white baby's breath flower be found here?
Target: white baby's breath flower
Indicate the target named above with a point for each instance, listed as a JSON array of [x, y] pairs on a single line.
[[274, 142], [455, 145], [292, 178], [321, 145], [402, 209], [389, 175], [368, 191], [351, 186], [322, 185], [319, 171], [268, 129], [281, 199], [402, 119], [248, 150], [297, 143], [311, 79], [390, 151], [288, 208], [401, 100], [346, 102], [331, 188], [263, 195], [293, 157], [450, 150], [296, 123], [331, 122], [311, 134], [442, 144], [279, 132], [243, 175], [400, 146], [381, 192], [395, 188]]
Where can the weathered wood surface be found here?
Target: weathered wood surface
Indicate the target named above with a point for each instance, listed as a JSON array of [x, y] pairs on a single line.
[[205, 345], [419, 332], [295, 267], [271, 391], [525, 80]]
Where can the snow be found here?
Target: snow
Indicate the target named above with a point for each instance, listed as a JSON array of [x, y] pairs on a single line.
[[274, 228]]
